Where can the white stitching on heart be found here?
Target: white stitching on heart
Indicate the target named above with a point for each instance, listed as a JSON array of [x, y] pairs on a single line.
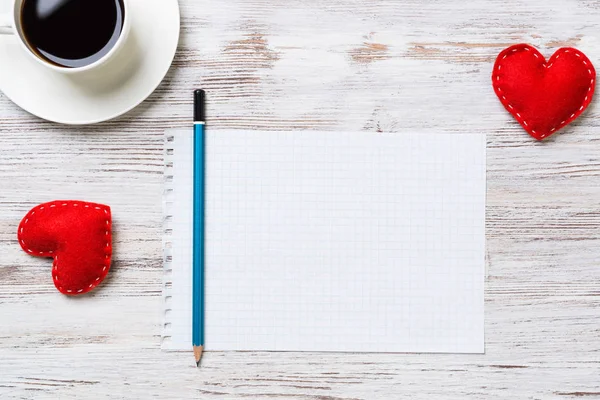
[[55, 263], [496, 78]]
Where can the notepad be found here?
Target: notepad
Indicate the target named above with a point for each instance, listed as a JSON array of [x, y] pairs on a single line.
[[330, 241]]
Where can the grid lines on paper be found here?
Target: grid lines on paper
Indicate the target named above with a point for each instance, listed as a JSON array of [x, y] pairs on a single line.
[[343, 241]]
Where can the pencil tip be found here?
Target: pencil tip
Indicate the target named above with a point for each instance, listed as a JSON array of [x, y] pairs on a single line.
[[198, 354]]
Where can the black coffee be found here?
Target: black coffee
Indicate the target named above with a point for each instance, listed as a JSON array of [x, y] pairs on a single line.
[[72, 33]]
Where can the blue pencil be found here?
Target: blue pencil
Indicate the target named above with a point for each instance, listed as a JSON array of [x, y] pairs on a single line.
[[198, 232]]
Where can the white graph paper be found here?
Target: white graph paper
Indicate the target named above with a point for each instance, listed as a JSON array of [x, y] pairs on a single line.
[[331, 241]]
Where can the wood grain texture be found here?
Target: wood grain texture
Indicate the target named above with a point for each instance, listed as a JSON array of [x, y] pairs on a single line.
[[388, 65]]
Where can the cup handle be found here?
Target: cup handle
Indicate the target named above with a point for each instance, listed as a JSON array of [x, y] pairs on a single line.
[[6, 25]]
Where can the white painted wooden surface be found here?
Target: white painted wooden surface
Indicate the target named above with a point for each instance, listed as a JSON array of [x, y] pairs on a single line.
[[305, 64]]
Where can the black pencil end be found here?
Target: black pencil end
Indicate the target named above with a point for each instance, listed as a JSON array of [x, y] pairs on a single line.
[[199, 108]]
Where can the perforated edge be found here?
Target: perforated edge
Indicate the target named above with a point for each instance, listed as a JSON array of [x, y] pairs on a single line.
[[167, 240]]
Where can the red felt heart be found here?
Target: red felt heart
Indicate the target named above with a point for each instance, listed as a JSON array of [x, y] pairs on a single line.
[[543, 96], [77, 235]]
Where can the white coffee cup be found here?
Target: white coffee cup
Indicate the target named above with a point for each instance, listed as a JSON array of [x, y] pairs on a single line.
[[11, 24]]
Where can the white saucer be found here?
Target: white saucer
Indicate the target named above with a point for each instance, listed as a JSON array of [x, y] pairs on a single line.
[[96, 96]]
